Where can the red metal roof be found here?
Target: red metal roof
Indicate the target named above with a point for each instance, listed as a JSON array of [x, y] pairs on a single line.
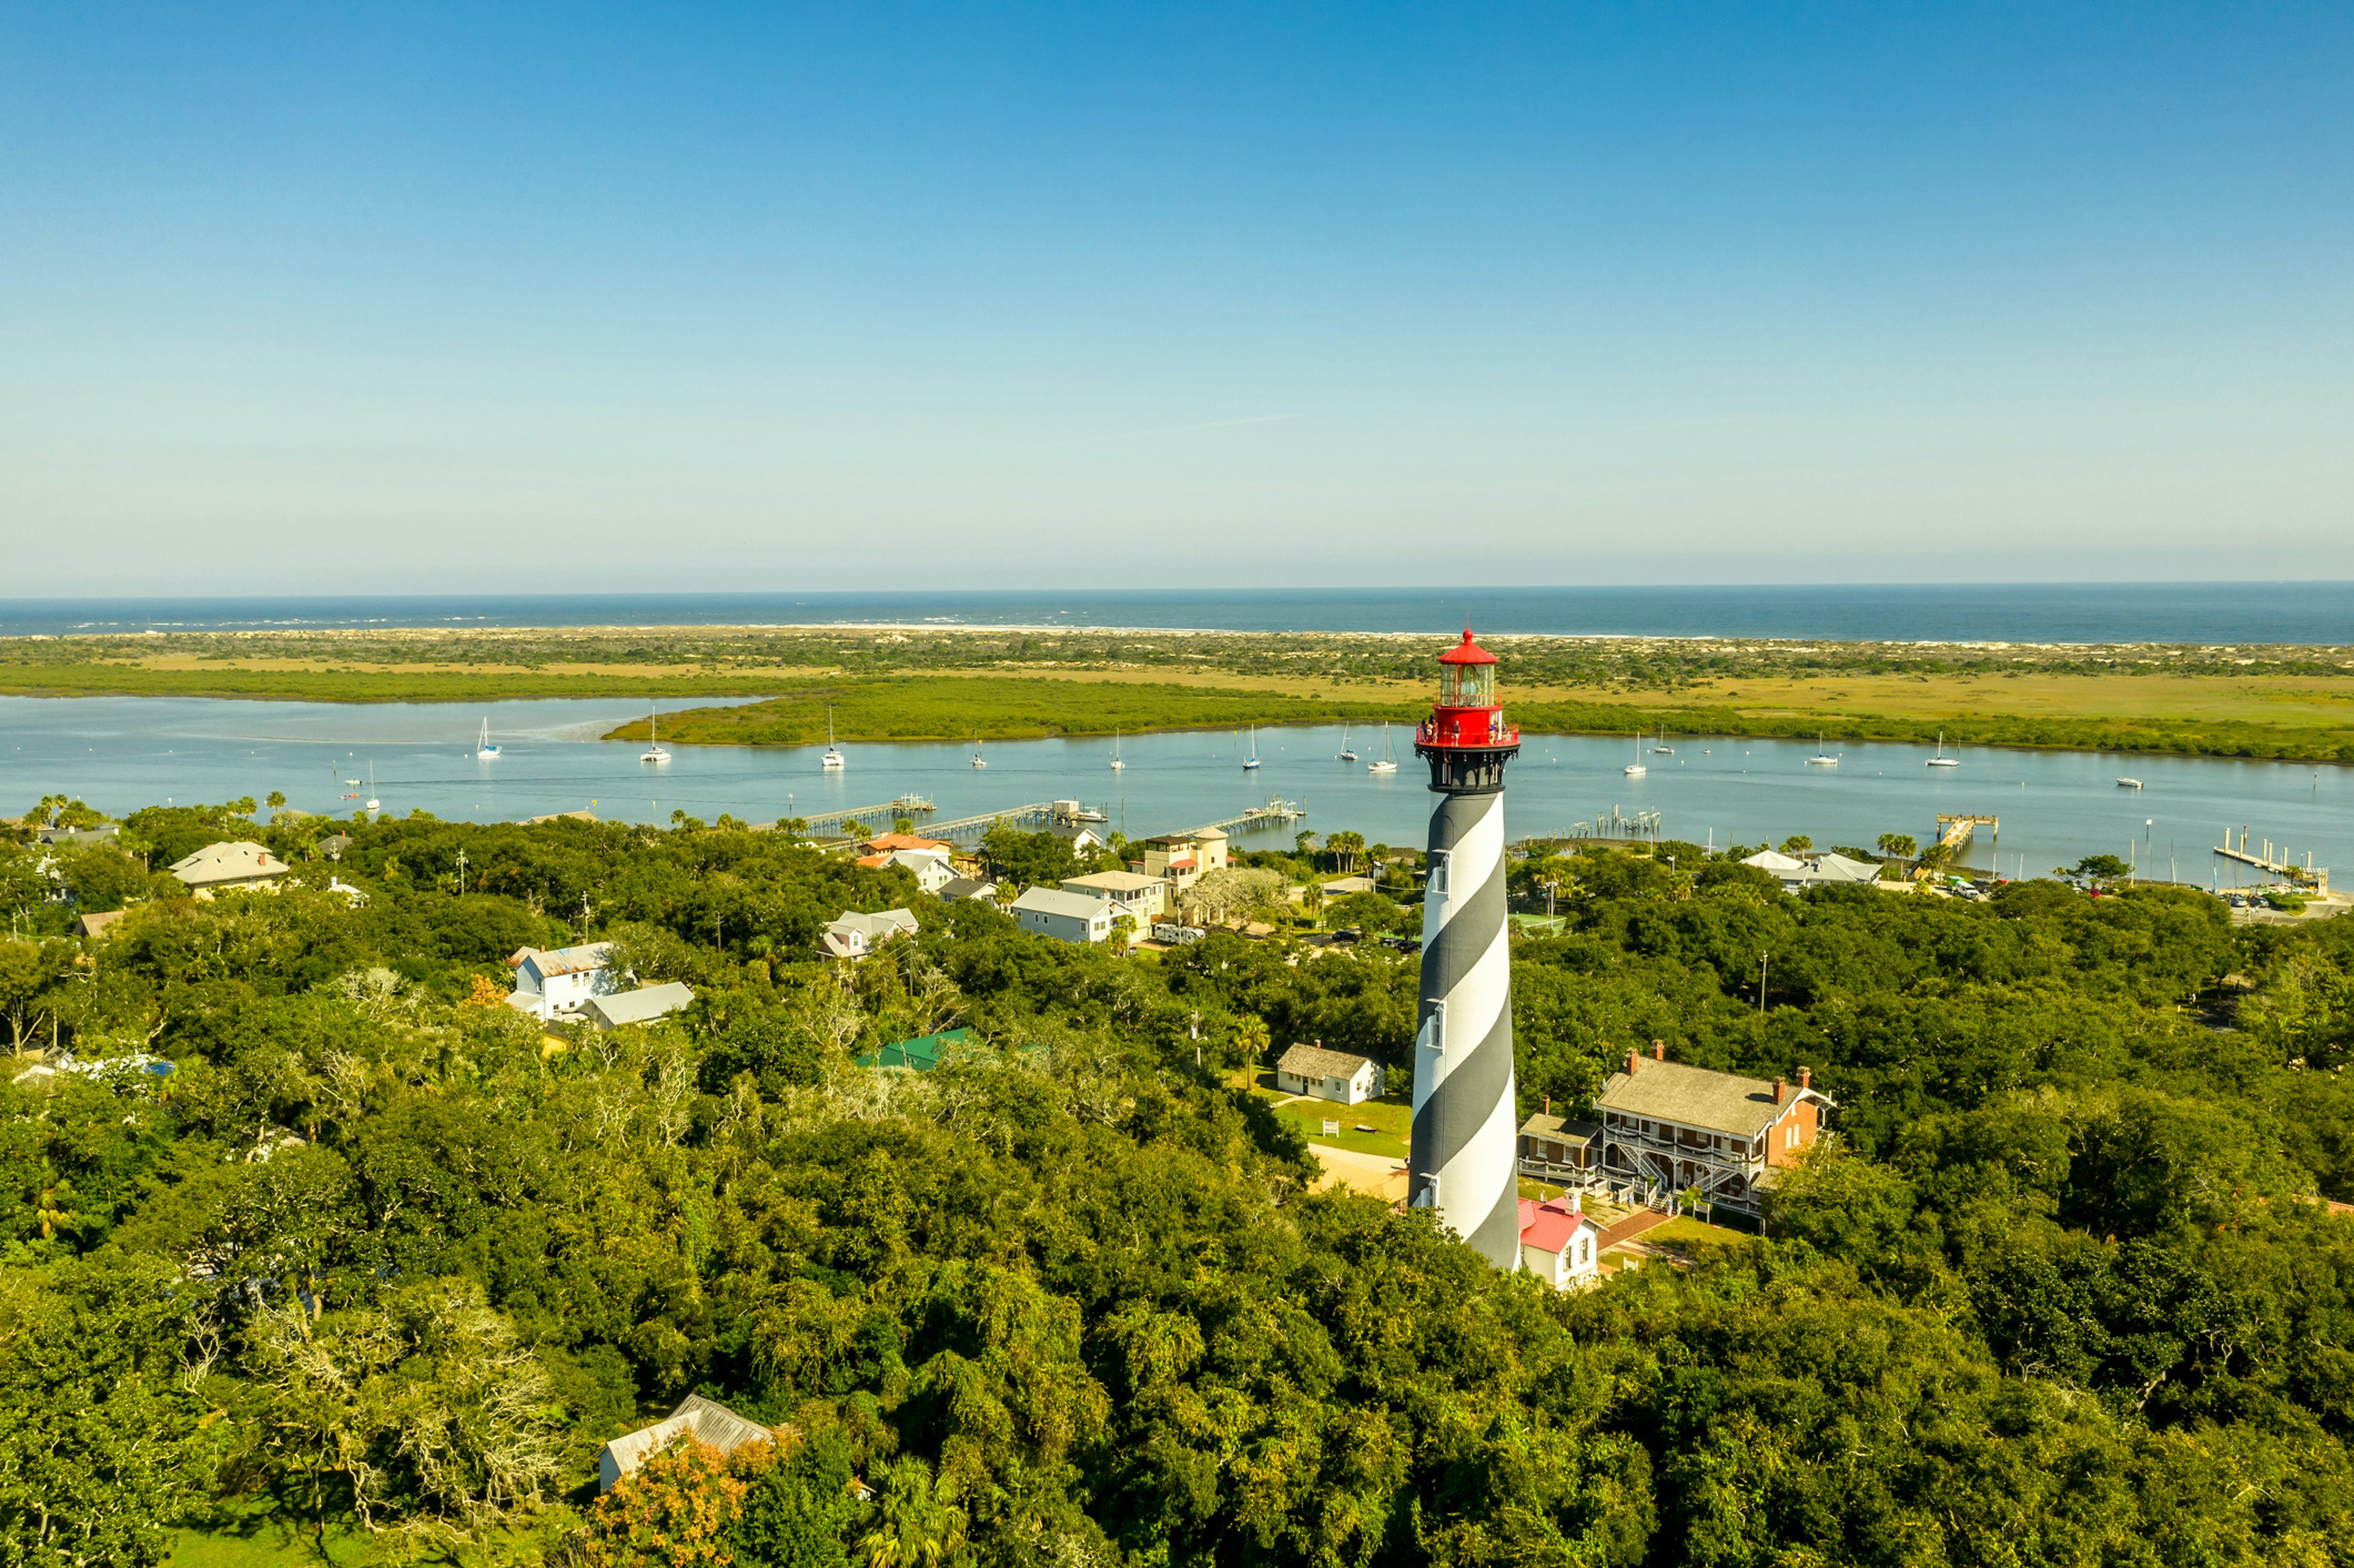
[[1467, 653]]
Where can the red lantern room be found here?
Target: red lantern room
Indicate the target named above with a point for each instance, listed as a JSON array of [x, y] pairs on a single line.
[[1465, 739]]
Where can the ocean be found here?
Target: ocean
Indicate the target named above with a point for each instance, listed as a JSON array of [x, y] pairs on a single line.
[[2211, 613]]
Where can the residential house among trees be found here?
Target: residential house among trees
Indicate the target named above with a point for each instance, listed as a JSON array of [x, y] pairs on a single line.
[[1671, 1125], [703, 1420], [968, 887], [1131, 892], [643, 1005], [854, 935], [1323, 1075], [1065, 917], [221, 868], [554, 982], [1180, 860]]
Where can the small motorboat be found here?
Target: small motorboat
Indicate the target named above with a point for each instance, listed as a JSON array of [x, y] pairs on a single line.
[[2128, 783]]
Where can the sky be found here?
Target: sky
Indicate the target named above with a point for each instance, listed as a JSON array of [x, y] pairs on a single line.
[[509, 298]]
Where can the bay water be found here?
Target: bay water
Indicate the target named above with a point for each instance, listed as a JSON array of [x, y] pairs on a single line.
[[122, 753]]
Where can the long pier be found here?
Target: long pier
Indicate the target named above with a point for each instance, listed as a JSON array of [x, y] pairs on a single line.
[[904, 806], [1277, 809], [1035, 811], [2316, 876]]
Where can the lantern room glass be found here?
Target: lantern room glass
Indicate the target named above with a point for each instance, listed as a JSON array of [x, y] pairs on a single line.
[[1467, 687]]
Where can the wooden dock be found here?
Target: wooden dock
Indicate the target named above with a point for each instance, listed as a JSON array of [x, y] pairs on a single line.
[[1954, 830], [1276, 810], [2262, 858], [957, 827], [904, 806]]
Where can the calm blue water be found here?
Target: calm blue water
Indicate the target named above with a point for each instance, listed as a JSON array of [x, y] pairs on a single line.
[[120, 753], [2305, 613]]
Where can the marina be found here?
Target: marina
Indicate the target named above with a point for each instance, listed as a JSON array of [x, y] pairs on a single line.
[[2054, 807]]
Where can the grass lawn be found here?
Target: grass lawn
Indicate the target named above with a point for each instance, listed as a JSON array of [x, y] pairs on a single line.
[[1696, 1238], [1392, 1121]]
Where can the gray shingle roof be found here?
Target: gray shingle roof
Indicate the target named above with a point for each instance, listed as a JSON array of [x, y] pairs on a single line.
[[641, 1006], [1697, 1097], [1315, 1062], [1560, 1129]]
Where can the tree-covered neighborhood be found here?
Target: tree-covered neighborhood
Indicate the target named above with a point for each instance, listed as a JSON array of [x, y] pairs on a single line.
[[320, 1247]]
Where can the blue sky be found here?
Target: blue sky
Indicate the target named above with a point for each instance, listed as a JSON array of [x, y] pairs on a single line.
[[718, 298]]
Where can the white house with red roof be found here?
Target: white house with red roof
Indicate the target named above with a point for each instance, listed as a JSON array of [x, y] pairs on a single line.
[[1559, 1245]]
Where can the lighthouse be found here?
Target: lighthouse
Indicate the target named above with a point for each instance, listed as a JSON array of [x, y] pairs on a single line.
[[1463, 1103]]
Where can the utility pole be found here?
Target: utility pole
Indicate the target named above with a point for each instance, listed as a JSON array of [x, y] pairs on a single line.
[[1761, 983], [461, 873]]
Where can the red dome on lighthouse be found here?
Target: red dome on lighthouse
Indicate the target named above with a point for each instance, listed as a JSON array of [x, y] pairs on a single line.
[[1467, 653]]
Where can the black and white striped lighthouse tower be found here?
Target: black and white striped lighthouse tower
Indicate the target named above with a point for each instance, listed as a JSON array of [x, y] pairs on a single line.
[[1464, 1121]]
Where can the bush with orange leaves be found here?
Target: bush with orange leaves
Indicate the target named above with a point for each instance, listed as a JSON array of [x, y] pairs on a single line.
[[485, 993], [676, 1510]]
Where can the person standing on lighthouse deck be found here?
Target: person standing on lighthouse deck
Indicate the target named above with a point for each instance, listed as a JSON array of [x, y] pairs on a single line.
[[1464, 1109]]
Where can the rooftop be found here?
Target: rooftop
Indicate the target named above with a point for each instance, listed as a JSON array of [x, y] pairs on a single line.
[[238, 862], [1315, 1062], [550, 961], [1054, 900], [1698, 1097], [1112, 882], [643, 1005]]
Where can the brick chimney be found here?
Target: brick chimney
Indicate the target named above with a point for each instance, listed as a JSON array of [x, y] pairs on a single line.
[[1548, 1110], [1634, 1060], [1659, 1050], [1781, 1090], [1806, 1077]]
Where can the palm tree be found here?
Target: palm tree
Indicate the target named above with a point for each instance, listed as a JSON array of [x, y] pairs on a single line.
[[1898, 846], [920, 1525], [1344, 848], [277, 801], [1252, 1035]]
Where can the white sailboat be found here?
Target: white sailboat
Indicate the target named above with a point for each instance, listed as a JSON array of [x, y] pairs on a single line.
[[1822, 756], [1115, 763], [371, 802], [1636, 769], [1941, 759], [977, 760], [482, 747], [1251, 761], [1347, 754], [832, 757], [1663, 748], [1387, 764], [653, 751]]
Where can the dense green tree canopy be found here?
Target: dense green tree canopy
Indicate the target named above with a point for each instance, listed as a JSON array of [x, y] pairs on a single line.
[[381, 1255]]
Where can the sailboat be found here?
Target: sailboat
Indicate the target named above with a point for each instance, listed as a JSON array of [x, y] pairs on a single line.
[[1941, 759], [371, 802], [1822, 756], [1347, 755], [1387, 764], [1663, 748], [1115, 763], [1251, 761], [1636, 769], [482, 747], [653, 751], [832, 757], [977, 760]]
